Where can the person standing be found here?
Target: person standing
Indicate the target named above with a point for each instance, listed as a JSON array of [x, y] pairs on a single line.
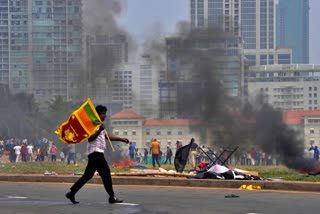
[[316, 153], [72, 154], [24, 152], [145, 156], [168, 155], [38, 154], [95, 148], [53, 152], [138, 156], [30, 152], [62, 156], [132, 150], [43, 152], [155, 150], [65, 151], [17, 151], [193, 153]]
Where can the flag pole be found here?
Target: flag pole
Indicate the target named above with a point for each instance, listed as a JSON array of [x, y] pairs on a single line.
[[105, 131]]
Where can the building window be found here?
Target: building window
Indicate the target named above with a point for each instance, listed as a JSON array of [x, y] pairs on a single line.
[[116, 132], [158, 132], [284, 59], [169, 132], [311, 131], [179, 132], [134, 132], [147, 132], [125, 132]]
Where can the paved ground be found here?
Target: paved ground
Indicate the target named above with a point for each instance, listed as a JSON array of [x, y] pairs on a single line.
[[48, 198]]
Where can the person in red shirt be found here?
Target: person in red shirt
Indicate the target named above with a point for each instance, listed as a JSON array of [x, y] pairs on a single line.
[[24, 152], [53, 152]]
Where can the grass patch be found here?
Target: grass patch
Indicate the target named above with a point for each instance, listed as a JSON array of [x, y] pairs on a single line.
[[62, 168]]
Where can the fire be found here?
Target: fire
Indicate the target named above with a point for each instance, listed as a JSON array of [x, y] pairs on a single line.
[[313, 171], [123, 163]]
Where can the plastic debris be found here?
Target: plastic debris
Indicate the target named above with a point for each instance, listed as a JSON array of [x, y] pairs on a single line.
[[232, 196], [250, 187], [50, 173]]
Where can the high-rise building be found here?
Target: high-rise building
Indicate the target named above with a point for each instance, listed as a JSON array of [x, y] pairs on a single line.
[[293, 28], [182, 80], [257, 20], [147, 88], [14, 46], [253, 20], [216, 14], [41, 48], [122, 85], [103, 54]]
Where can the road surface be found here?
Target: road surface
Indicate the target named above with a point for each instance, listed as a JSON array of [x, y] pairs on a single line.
[[48, 198]]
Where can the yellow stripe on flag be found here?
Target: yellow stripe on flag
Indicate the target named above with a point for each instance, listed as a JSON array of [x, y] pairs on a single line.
[[85, 120]]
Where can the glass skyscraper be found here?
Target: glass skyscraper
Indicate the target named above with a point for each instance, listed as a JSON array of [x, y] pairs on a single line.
[[258, 30], [14, 40], [253, 20], [216, 14], [41, 48], [293, 28]]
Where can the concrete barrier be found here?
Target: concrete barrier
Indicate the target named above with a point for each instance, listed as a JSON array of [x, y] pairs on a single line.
[[169, 181]]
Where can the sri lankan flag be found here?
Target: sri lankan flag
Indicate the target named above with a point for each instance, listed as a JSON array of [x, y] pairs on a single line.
[[82, 123]]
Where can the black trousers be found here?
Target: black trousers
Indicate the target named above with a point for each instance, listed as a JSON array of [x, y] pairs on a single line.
[[155, 158], [96, 162]]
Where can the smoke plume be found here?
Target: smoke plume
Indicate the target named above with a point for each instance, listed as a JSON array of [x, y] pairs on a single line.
[[199, 56]]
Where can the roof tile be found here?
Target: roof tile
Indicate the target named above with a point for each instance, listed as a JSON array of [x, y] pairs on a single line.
[[127, 115], [295, 117]]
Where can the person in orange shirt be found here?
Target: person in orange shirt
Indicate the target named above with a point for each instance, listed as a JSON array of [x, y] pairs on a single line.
[[154, 150]]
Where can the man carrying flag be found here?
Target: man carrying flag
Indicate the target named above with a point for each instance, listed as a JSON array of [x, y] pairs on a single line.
[[95, 149]]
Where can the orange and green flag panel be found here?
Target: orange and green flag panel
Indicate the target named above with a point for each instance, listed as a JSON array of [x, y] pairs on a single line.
[[82, 123]]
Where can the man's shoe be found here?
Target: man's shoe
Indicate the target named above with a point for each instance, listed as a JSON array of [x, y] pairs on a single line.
[[114, 200], [70, 196]]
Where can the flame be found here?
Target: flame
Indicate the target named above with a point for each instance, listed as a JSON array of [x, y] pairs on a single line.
[[123, 163], [313, 171]]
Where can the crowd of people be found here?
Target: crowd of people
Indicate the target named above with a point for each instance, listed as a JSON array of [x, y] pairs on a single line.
[[46, 150], [41, 150]]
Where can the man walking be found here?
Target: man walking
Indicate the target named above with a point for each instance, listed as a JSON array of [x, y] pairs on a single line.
[[96, 161]]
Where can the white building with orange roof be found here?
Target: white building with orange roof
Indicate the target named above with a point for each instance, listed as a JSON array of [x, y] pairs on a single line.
[[308, 122], [141, 130]]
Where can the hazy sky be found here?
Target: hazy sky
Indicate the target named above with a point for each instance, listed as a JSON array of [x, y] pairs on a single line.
[[139, 16]]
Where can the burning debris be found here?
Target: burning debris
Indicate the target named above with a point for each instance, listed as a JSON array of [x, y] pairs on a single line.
[[126, 163]]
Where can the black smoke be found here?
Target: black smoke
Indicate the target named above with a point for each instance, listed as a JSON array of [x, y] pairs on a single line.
[[275, 137]]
